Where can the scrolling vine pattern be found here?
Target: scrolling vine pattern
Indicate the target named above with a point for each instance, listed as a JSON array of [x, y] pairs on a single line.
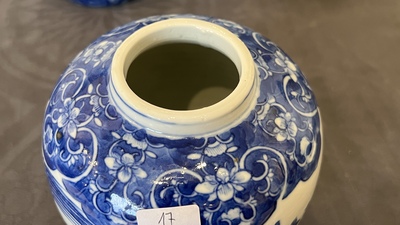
[[113, 167]]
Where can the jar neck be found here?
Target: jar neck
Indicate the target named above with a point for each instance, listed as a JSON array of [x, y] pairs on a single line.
[[181, 123]]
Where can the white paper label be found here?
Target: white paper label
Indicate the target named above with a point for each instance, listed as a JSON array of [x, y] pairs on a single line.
[[180, 215]]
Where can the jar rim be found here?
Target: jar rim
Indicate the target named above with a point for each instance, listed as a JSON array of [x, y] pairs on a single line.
[[182, 122]]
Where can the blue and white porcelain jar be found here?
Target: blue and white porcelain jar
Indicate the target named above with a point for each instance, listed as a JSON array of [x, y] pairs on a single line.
[[99, 3], [252, 156]]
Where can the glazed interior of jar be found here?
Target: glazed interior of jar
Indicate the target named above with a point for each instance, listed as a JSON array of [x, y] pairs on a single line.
[[229, 80], [182, 76]]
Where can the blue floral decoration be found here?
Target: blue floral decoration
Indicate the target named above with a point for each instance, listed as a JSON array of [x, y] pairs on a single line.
[[103, 169]]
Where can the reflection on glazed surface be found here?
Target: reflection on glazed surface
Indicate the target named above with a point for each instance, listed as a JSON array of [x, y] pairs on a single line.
[[103, 168]]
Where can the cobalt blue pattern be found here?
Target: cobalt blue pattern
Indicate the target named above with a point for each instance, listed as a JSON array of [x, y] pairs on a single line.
[[99, 3], [112, 168]]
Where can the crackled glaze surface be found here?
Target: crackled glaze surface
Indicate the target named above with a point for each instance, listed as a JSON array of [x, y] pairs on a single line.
[[103, 168]]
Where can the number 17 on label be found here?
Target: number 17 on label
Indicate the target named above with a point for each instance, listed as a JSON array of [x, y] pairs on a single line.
[[180, 215]]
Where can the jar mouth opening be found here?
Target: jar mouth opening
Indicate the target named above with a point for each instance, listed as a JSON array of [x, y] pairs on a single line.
[[182, 76], [182, 30]]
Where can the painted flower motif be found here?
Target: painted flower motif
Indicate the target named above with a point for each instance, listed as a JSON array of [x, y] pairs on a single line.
[[304, 145], [48, 135], [99, 53], [95, 101], [263, 112], [224, 184], [284, 61], [207, 215], [68, 118], [72, 160], [235, 214], [215, 149], [132, 141], [124, 167], [92, 187], [94, 54], [264, 71], [232, 214], [234, 27], [285, 128]]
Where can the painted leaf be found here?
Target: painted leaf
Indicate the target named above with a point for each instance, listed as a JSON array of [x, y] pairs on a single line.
[[194, 156], [151, 154]]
